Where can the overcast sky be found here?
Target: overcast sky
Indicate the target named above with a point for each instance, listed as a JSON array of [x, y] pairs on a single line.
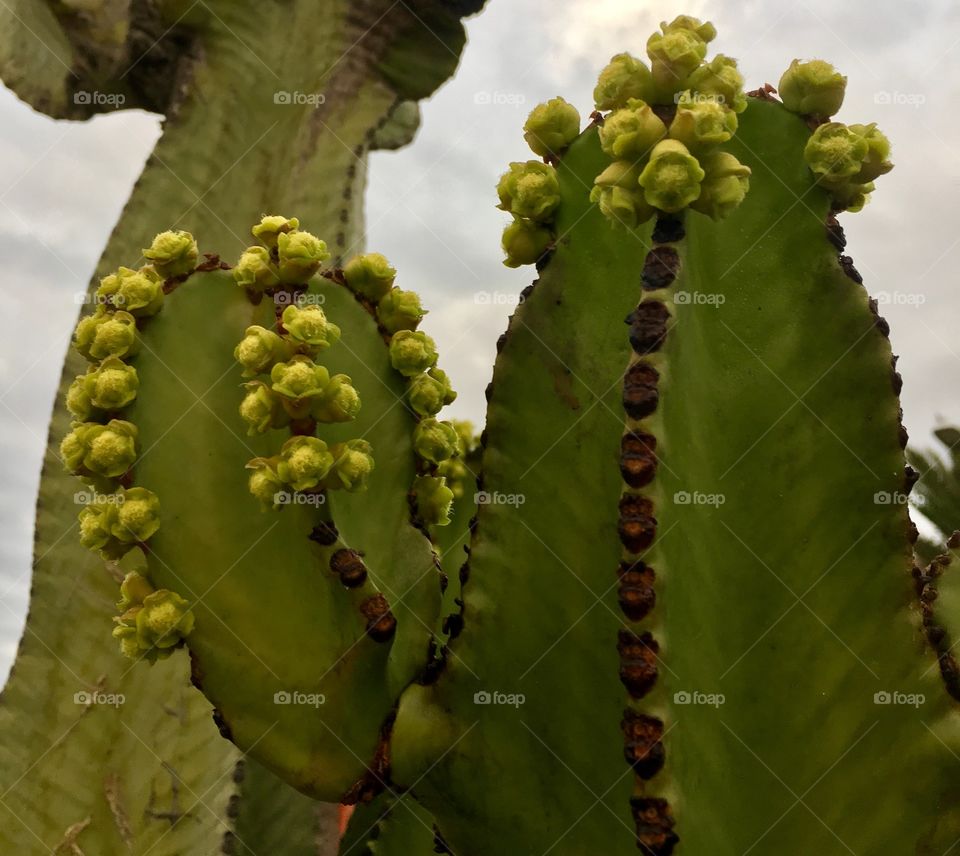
[[62, 186]]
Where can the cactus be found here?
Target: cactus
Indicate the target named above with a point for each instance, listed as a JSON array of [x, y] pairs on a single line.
[[720, 645]]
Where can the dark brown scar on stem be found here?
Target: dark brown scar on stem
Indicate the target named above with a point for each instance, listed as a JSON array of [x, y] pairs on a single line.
[[636, 594], [349, 567], [640, 395], [376, 779], [648, 326], [381, 623], [638, 458], [654, 820], [642, 746], [925, 581], [636, 526], [660, 268], [638, 662]]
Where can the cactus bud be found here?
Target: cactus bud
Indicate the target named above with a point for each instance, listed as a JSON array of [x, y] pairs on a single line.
[[551, 127], [134, 589], [370, 275], [261, 409], [138, 292], [701, 124], [264, 483], [78, 399], [877, 160], [412, 352], [704, 29], [112, 385], [308, 325], [720, 80], [96, 522], [435, 441], [433, 499], [631, 132], [272, 226], [255, 270], [353, 463], [429, 392], [137, 517], [300, 255], [617, 191], [100, 450], [173, 253], [304, 461], [724, 187], [812, 88], [674, 55], [530, 189], [106, 334], [298, 381], [400, 310], [624, 77], [163, 621], [258, 350], [851, 196], [835, 153], [524, 242], [671, 180], [340, 401]]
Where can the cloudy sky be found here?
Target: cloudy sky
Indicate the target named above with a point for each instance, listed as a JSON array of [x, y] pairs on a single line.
[[62, 186]]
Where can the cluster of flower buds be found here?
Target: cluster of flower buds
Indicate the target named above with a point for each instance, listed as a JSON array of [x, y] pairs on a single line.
[[665, 127], [455, 470], [153, 622], [530, 190], [286, 259], [101, 447]]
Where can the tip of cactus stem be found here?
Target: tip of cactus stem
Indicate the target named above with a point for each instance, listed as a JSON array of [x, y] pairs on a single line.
[[813, 88]]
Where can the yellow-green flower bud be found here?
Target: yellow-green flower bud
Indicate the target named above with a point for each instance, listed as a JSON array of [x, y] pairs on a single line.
[[340, 401], [93, 450], [126, 634], [551, 127], [400, 310], [96, 524], [300, 255], [724, 187], [704, 29], [164, 621], [617, 192], [106, 334], [134, 589], [435, 441], [812, 88], [429, 392], [530, 189], [78, 399], [264, 483], [702, 123], [137, 516], [259, 349], [272, 226], [173, 253], [433, 499], [353, 463], [308, 325], [674, 55], [412, 352], [631, 132], [298, 382], [524, 242], [624, 77], [261, 409], [721, 80], [112, 385], [138, 292], [370, 275], [255, 270], [877, 160], [851, 197], [304, 461], [671, 180], [835, 154]]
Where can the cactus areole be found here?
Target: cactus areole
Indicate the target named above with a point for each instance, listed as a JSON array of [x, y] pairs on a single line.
[[677, 617]]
